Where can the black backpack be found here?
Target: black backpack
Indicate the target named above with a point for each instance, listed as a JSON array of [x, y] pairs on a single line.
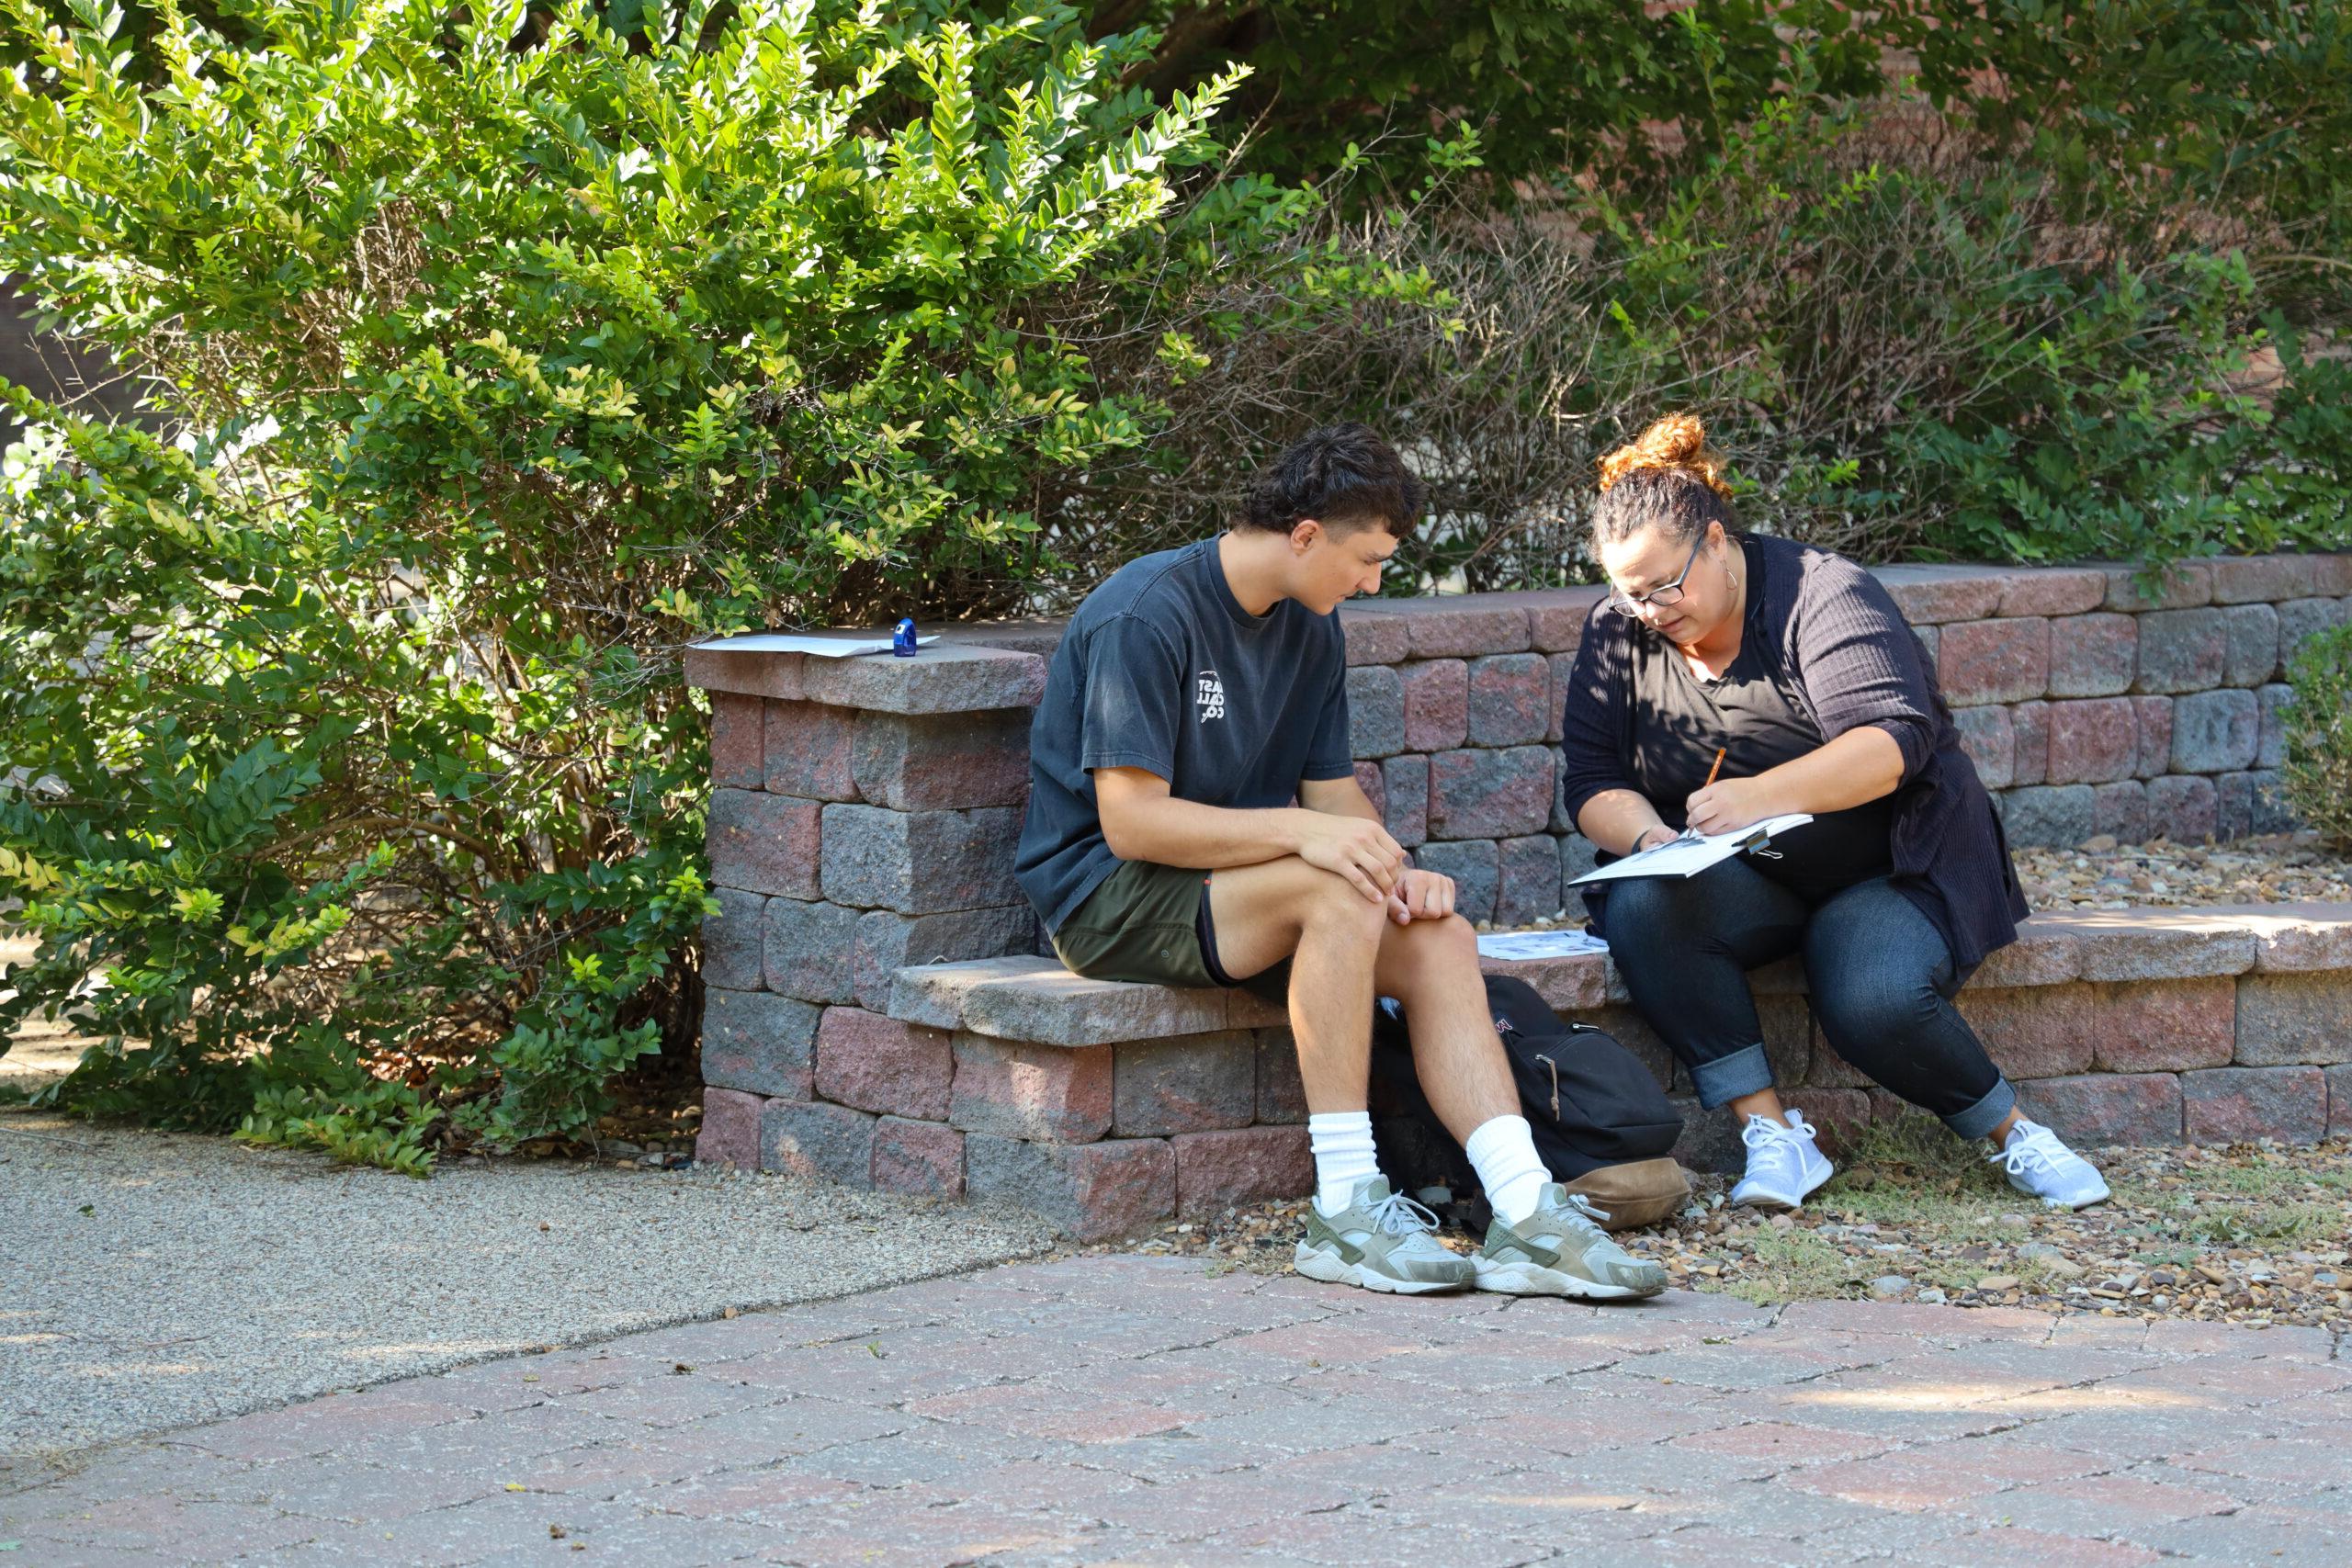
[[1590, 1102]]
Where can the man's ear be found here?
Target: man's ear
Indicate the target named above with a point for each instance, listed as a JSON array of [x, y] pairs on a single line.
[[1304, 534]]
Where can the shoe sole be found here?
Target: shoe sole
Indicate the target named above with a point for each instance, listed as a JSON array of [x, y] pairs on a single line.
[[1532, 1279], [1335, 1270], [2071, 1204], [1777, 1200]]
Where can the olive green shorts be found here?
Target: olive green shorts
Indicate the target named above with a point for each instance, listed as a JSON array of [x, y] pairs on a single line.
[[1151, 924]]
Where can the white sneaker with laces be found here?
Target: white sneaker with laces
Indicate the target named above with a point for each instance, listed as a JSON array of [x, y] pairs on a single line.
[[2041, 1166], [1784, 1163]]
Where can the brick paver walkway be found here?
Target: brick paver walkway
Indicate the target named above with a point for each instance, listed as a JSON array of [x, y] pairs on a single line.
[[1129, 1410]]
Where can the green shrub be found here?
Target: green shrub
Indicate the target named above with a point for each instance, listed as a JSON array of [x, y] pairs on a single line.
[[2317, 777], [493, 357]]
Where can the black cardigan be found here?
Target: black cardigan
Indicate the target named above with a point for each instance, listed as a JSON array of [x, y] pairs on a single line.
[[1852, 660]]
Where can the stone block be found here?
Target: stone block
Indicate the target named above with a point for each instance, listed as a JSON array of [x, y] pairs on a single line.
[[1562, 667], [730, 940], [1014, 1090], [806, 750], [730, 1134], [1841, 1114], [1037, 1000], [1572, 983], [2046, 953], [2184, 809], [942, 762], [2244, 579], [2292, 938], [1282, 1098], [1710, 1140], [2092, 741], [2037, 1032], [2155, 944], [743, 673], [1406, 804], [921, 1157], [738, 754], [1994, 661], [1216, 1171], [2096, 1109], [2215, 732], [2250, 634], [887, 942], [2052, 590], [2154, 718], [1930, 640], [1462, 627], [2274, 703], [1576, 857], [1091, 1192], [2339, 1102], [2029, 727], [1475, 867], [757, 1042], [2294, 1019], [817, 1139], [943, 677], [2120, 811], [920, 862], [2180, 586], [879, 1064], [1527, 887], [2251, 803], [2240, 1105], [1374, 637], [1040, 635], [2163, 1025], [2093, 655], [1191, 1084], [2182, 651], [2059, 816], [1437, 703], [1509, 693], [762, 843], [1374, 785], [811, 951], [1989, 738], [1929, 594], [1490, 795], [2303, 619], [1556, 616], [1375, 711]]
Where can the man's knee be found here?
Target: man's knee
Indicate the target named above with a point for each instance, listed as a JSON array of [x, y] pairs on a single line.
[[1429, 952], [1327, 900]]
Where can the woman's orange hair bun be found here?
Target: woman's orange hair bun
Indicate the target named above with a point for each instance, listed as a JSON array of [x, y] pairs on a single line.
[[1678, 442]]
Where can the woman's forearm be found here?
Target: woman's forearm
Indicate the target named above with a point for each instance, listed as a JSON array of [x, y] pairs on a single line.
[[1859, 766], [1618, 819]]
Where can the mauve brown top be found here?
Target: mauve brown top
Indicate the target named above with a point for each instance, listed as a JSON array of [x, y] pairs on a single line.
[[1849, 658]]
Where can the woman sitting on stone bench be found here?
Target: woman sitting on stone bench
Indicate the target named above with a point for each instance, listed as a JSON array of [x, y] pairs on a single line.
[[1796, 667]]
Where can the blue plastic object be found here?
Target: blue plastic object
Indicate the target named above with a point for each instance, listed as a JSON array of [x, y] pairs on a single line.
[[902, 641]]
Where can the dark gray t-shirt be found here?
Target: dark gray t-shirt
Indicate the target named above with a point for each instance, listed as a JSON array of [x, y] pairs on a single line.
[[1162, 668]]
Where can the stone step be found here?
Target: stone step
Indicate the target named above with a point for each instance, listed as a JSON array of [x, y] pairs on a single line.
[[1037, 1000]]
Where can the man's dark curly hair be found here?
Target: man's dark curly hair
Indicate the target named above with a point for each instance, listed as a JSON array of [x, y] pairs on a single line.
[[1343, 476]]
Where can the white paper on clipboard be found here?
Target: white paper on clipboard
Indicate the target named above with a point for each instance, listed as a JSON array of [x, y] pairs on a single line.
[[1695, 853]]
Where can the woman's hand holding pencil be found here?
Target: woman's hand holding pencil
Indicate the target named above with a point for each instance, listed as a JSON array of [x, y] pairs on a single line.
[[1721, 805]]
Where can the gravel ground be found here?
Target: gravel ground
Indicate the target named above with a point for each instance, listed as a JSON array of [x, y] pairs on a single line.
[[2252, 1233], [153, 1279], [2285, 867]]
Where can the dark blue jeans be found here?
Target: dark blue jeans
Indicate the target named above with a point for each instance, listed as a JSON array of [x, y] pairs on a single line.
[[1882, 981]]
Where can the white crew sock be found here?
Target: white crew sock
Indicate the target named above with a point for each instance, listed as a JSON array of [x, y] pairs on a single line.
[[1502, 1151], [1342, 1143]]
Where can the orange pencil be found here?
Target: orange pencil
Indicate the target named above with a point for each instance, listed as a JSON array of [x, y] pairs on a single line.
[[1717, 768]]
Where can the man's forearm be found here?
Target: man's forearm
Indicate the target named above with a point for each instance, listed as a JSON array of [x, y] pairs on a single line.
[[1172, 831]]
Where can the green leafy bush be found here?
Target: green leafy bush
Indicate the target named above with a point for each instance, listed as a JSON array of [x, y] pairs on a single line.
[[494, 357], [2317, 778]]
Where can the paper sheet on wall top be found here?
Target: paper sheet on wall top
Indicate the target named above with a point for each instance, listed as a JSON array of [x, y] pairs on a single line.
[[824, 645], [1695, 853], [1539, 944]]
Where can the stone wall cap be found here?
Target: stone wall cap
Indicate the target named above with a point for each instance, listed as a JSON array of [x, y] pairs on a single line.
[[944, 677]]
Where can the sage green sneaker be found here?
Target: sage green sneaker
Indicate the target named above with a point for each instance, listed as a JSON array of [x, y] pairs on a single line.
[[1558, 1251], [1383, 1241]]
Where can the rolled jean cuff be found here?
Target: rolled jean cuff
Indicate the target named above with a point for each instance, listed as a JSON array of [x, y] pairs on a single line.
[[1979, 1120], [1725, 1078]]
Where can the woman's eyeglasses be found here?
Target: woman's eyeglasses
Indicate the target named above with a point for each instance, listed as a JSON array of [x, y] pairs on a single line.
[[1658, 597]]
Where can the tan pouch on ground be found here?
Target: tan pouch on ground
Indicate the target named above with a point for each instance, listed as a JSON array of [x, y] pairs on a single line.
[[1639, 1192]]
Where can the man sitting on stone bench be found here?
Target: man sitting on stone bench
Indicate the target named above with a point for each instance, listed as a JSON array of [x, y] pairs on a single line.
[[1194, 696]]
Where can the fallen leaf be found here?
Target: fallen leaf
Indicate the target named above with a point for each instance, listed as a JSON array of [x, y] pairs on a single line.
[[516, 1486], [680, 1369]]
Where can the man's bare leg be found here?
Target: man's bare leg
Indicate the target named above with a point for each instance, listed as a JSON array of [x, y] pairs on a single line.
[[1287, 908], [1432, 967]]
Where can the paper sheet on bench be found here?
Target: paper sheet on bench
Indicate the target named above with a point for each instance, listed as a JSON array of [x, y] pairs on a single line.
[[1539, 944], [824, 645], [1689, 855]]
